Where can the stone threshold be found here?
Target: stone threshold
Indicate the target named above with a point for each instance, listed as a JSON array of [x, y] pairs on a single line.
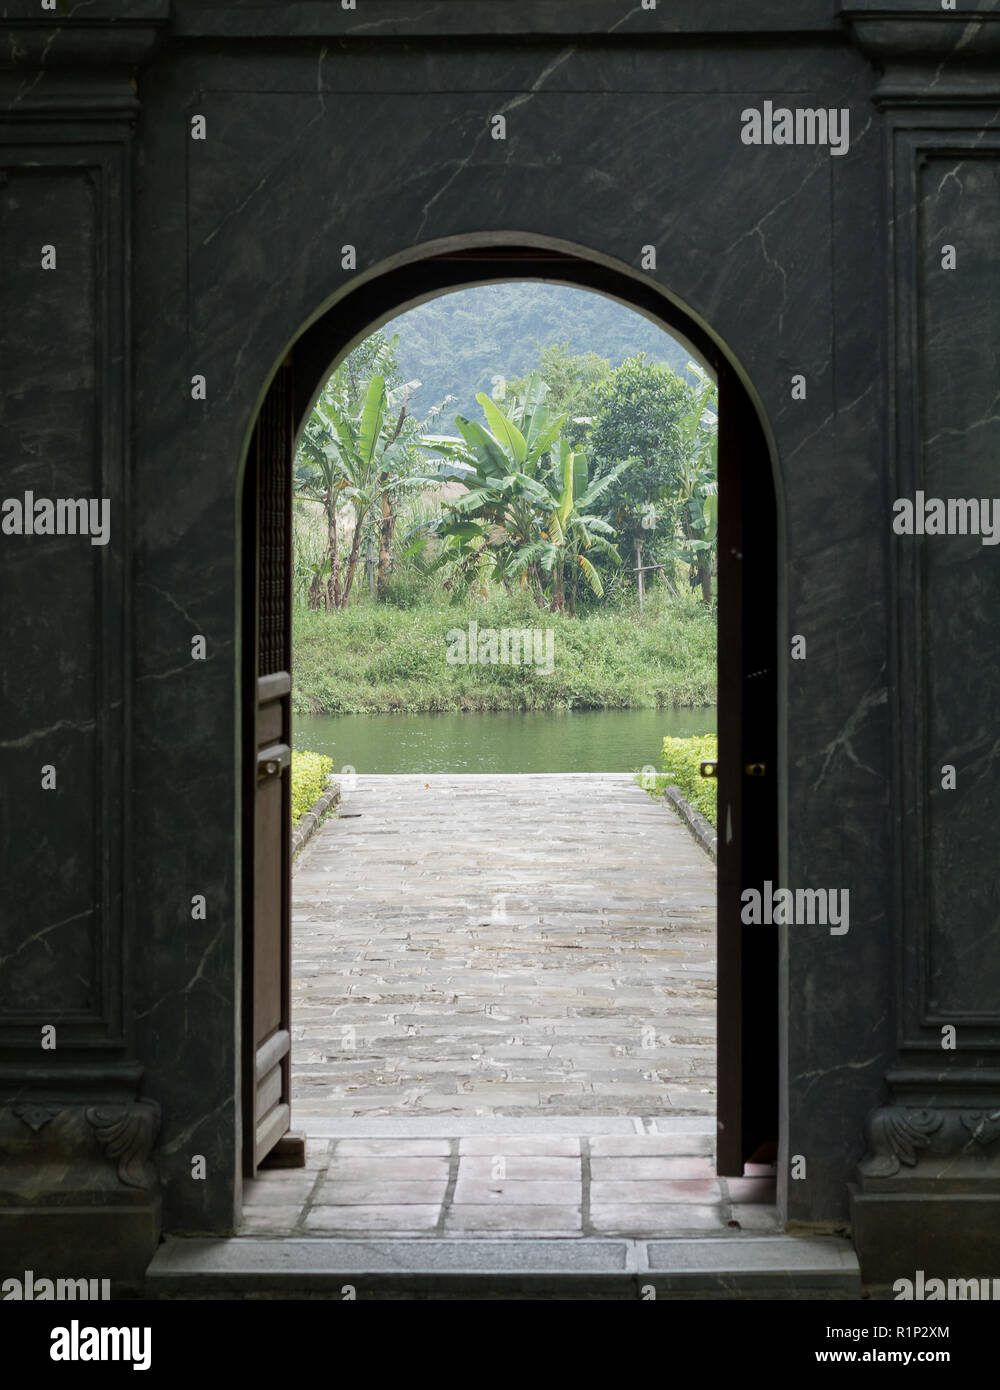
[[722, 1267]]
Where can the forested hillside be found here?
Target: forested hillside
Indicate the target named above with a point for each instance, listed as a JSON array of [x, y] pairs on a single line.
[[456, 344]]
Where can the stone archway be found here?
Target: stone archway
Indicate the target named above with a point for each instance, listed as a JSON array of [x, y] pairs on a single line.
[[748, 1012]]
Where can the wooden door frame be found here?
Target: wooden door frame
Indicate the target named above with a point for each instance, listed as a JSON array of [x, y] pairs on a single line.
[[363, 309], [748, 958]]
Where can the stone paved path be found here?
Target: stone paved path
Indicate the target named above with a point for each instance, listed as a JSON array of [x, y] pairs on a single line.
[[503, 945], [491, 1184]]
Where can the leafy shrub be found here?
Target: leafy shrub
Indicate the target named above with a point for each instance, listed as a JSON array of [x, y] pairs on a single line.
[[681, 760], [309, 776]]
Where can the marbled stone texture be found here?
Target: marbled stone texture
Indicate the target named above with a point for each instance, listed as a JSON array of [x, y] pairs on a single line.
[[797, 264]]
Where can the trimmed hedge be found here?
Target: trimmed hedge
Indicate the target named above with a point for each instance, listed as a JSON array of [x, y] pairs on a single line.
[[309, 777], [681, 760]]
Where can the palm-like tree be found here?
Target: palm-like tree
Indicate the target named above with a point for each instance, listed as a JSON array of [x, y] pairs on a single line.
[[357, 457], [526, 511], [574, 528]]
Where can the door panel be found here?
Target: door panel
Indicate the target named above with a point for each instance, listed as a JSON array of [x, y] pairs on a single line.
[[267, 877], [747, 820]]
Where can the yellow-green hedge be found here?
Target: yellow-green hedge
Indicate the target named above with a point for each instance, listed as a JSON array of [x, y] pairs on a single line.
[[681, 761], [309, 775]]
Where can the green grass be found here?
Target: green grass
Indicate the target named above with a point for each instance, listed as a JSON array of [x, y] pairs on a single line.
[[377, 658]]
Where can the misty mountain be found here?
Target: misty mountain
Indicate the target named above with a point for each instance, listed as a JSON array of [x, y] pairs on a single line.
[[456, 344]]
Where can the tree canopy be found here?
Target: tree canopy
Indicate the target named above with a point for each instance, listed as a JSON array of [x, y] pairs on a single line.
[[572, 471]]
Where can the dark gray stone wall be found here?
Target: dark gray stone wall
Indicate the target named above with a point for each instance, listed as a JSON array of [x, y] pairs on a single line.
[[607, 152], [326, 128]]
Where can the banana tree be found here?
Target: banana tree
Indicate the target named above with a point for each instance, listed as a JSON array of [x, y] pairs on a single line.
[[572, 527], [697, 473], [527, 508], [496, 523], [357, 458]]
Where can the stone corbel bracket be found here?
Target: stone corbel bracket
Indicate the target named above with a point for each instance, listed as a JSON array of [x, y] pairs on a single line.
[[78, 1186], [921, 1143], [62, 1148], [91, 1153], [126, 1134]]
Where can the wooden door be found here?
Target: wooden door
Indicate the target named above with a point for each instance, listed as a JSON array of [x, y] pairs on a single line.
[[267, 803], [747, 1115]]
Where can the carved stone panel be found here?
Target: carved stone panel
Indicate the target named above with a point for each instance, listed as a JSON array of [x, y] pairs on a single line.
[[948, 583], [62, 563]]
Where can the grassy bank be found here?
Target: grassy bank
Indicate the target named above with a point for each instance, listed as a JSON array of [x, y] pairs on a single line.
[[377, 658]]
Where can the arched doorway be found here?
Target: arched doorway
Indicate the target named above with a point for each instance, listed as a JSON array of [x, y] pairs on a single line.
[[748, 1043]]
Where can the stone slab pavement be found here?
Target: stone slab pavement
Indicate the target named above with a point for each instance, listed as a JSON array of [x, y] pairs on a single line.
[[494, 1185], [523, 945]]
